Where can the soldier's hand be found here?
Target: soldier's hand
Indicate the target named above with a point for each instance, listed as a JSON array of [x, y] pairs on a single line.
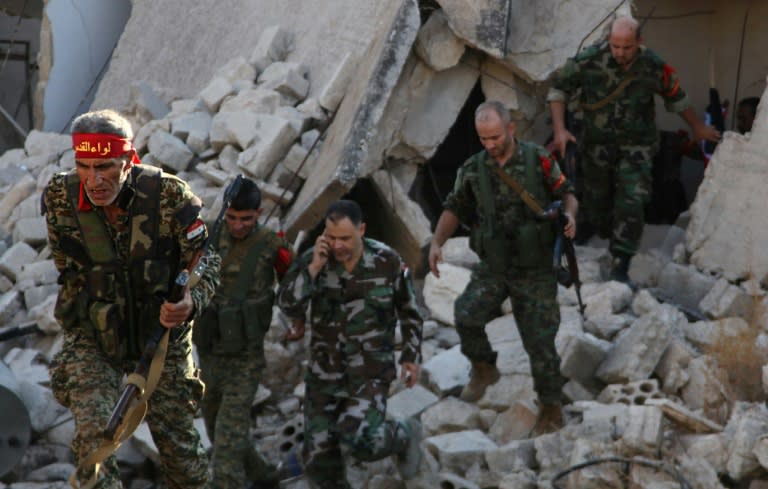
[[296, 331], [707, 133], [320, 255], [409, 373], [569, 231], [172, 314], [561, 140], [435, 257]]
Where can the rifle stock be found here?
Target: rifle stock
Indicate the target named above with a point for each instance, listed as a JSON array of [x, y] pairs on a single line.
[[176, 294]]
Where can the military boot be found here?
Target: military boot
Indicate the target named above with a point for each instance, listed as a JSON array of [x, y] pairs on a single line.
[[483, 375], [550, 419], [620, 268]]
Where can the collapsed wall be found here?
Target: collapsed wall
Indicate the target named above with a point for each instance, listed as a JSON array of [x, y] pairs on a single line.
[[641, 371]]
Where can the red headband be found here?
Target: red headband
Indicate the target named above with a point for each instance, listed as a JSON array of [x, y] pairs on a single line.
[[103, 146]]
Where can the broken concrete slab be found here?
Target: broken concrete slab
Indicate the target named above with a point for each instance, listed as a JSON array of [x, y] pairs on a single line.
[[532, 47], [437, 45], [684, 416], [348, 138], [722, 209]]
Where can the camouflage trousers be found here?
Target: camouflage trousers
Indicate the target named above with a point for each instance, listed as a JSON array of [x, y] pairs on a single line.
[[351, 420], [231, 382], [617, 186], [534, 303], [84, 380]]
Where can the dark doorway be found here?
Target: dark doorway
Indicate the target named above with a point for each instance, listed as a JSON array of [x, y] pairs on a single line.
[[436, 177]]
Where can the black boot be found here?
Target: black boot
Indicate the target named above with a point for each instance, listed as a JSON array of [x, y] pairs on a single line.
[[620, 268]]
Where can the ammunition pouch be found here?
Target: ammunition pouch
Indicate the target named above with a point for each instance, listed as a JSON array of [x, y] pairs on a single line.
[[105, 318], [232, 327], [530, 247]]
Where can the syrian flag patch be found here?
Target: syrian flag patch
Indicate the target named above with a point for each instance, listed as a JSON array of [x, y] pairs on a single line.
[[195, 229]]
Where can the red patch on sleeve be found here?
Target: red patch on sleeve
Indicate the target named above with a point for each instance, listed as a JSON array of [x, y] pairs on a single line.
[[667, 73], [195, 229], [283, 261], [546, 166], [559, 182]]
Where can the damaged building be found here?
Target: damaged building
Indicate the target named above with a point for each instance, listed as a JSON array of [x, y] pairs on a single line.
[[375, 100]]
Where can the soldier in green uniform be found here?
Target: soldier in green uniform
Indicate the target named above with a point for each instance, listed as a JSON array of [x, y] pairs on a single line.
[[617, 80], [358, 290], [230, 338], [120, 232], [515, 249]]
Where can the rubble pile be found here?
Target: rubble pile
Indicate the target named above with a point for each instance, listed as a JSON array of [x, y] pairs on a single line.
[[660, 376]]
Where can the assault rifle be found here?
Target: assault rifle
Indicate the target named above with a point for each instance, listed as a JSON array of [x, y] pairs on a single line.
[[21, 330], [568, 273], [184, 279]]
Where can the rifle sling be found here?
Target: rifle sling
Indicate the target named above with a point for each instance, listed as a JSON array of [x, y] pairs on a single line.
[[133, 417], [529, 200], [611, 96]]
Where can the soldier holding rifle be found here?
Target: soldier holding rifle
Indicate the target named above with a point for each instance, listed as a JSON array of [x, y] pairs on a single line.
[[515, 246], [120, 233]]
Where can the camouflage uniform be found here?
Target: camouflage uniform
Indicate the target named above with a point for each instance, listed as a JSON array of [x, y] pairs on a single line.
[[516, 259], [230, 341], [353, 318], [620, 138], [108, 309]]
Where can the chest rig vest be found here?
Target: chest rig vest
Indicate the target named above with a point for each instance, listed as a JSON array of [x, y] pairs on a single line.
[[237, 320], [123, 294], [530, 243]]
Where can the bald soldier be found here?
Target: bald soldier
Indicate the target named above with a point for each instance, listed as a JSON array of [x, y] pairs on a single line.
[[515, 249], [617, 80]]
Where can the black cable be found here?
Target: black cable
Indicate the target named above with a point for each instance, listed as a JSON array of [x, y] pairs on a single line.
[[671, 470], [682, 16]]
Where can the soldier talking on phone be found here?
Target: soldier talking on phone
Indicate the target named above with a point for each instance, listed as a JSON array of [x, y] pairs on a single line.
[[358, 290]]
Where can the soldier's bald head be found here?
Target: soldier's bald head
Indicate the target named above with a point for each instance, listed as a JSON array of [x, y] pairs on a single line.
[[626, 26], [486, 111]]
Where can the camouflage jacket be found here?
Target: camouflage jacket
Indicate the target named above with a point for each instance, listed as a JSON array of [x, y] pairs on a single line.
[[630, 117], [530, 239], [180, 229], [354, 315]]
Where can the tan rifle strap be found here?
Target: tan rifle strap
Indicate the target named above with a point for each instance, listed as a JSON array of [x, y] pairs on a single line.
[[524, 194], [611, 96], [134, 415]]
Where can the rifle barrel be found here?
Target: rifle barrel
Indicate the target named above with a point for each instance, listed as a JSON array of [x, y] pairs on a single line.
[[17, 331]]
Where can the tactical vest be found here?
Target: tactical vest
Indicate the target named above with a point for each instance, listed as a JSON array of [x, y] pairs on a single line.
[[234, 322], [121, 303], [530, 244]]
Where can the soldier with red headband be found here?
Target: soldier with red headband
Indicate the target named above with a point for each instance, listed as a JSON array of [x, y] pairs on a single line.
[[120, 232]]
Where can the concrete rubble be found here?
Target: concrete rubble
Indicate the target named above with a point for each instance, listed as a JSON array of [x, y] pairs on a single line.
[[669, 375]]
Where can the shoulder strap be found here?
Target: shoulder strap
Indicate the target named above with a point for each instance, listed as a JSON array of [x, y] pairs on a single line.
[[486, 195], [527, 197], [146, 204], [611, 96], [249, 263]]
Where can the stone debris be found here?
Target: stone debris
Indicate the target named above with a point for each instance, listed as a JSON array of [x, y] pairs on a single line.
[[650, 370]]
